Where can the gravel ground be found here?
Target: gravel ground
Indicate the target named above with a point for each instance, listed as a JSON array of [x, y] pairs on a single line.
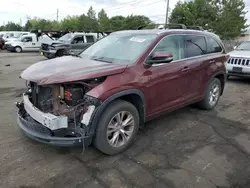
[[187, 148]]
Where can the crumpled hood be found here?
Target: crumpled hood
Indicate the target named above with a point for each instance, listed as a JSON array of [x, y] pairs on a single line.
[[239, 53], [67, 69], [55, 42]]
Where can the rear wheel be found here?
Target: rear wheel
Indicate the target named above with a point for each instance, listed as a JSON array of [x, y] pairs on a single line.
[[212, 95], [18, 49], [117, 127]]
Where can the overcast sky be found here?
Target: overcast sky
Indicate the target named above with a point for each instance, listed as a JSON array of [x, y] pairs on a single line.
[[18, 11]]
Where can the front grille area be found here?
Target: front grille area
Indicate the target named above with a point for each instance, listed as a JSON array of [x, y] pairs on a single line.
[[239, 61], [45, 47], [41, 97]]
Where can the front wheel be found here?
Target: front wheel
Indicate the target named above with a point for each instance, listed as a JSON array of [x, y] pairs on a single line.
[[212, 95], [18, 49], [117, 127]]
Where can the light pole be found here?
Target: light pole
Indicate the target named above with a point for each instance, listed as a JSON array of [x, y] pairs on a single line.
[[167, 10]]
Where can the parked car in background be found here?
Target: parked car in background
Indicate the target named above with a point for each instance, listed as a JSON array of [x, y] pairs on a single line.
[[239, 62], [16, 36], [118, 83], [12, 34], [30, 42], [1, 41], [68, 44]]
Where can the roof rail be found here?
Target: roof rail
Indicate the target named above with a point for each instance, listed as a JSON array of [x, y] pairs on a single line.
[[195, 28], [171, 26]]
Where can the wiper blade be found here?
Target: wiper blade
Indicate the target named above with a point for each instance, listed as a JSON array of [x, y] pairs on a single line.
[[102, 60], [76, 55]]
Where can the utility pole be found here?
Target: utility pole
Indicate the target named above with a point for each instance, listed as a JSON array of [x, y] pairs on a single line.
[[57, 13], [167, 10]]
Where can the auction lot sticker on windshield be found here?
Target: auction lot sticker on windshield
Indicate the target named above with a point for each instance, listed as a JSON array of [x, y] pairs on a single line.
[[136, 39]]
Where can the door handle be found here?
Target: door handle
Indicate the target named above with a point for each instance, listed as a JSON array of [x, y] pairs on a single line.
[[185, 69]]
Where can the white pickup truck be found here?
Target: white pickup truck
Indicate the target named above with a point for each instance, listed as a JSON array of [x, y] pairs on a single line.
[[27, 43]]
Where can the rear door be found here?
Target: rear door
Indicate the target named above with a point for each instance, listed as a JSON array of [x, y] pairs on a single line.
[[196, 60]]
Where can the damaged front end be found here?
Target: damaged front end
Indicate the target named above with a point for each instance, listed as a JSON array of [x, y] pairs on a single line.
[[59, 114]]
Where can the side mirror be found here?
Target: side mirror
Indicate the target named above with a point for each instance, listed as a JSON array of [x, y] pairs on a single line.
[[160, 57]]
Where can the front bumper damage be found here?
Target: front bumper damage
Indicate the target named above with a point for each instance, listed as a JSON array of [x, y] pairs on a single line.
[[9, 48], [48, 53], [55, 130]]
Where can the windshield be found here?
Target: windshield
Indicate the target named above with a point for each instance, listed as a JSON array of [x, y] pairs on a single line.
[[66, 37], [244, 46], [119, 48]]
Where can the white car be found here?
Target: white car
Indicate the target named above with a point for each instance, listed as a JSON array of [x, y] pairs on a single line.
[[16, 36], [27, 43], [239, 61]]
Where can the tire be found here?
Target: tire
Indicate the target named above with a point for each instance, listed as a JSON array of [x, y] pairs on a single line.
[[60, 53], [18, 49], [48, 56], [206, 104], [228, 77], [102, 140]]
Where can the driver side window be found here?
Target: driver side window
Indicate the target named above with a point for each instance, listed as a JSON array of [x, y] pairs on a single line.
[[27, 39], [173, 44], [77, 40]]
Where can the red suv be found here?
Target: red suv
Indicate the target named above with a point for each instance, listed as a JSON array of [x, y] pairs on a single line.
[[113, 87]]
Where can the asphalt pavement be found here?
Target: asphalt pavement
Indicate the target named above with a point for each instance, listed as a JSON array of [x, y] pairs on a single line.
[[188, 148]]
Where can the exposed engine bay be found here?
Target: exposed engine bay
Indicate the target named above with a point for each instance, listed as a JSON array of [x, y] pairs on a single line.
[[67, 99]]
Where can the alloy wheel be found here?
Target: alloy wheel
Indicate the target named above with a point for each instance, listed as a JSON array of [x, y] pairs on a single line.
[[120, 128]]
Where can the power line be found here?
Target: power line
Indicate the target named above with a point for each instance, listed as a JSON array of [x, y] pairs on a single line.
[[139, 6]]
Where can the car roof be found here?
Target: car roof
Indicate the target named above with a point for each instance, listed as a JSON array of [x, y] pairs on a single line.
[[167, 31]]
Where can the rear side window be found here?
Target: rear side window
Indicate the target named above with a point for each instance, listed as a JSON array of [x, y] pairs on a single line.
[[213, 46], [78, 39], [90, 39], [194, 46]]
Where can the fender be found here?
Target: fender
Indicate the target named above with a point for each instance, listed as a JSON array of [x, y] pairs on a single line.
[[219, 73], [96, 116]]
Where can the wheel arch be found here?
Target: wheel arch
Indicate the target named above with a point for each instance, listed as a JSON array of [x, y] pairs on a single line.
[[134, 96], [18, 46], [222, 77]]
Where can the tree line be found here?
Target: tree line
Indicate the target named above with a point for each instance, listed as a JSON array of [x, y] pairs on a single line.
[[223, 17], [91, 21]]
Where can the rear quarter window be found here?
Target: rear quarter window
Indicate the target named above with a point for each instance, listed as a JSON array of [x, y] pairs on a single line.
[[90, 39], [213, 46]]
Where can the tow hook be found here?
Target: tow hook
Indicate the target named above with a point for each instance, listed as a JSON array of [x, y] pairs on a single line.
[[19, 105]]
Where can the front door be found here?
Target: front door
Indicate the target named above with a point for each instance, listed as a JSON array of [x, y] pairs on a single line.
[[166, 85], [28, 44], [77, 45]]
